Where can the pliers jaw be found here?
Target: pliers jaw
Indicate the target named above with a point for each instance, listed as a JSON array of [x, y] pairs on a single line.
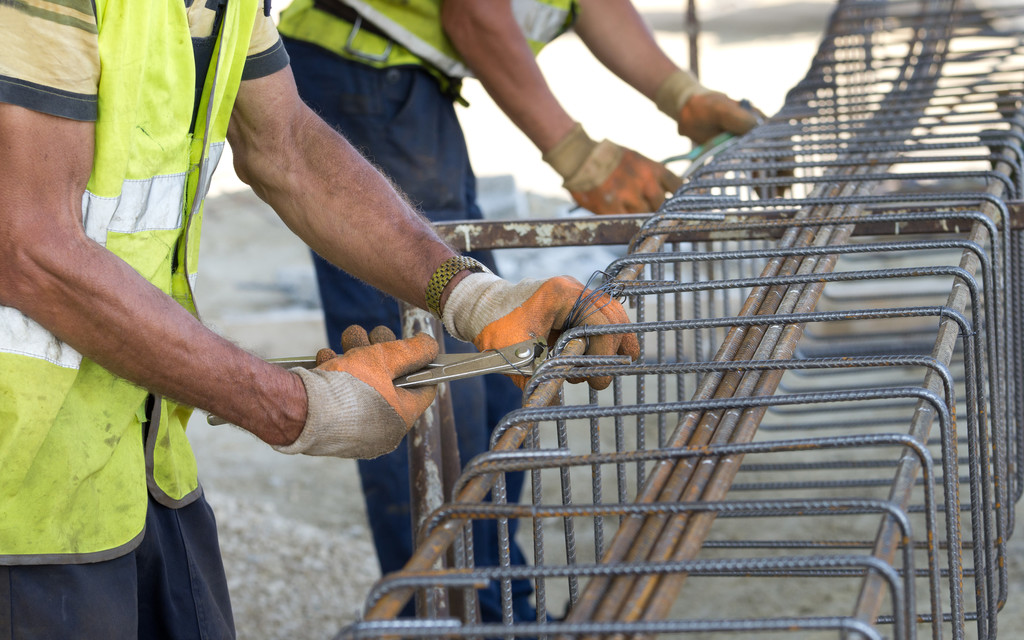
[[522, 358]]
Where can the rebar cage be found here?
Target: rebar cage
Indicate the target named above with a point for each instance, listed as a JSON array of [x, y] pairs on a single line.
[[821, 437]]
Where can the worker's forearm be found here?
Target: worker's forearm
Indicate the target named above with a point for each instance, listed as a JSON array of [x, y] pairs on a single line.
[[340, 205], [492, 44], [99, 305], [95, 302], [618, 37]]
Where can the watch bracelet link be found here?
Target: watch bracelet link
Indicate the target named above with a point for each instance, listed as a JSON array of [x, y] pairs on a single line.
[[443, 275]]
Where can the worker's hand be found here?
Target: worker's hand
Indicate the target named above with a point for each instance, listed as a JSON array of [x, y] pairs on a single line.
[[707, 114], [701, 113], [493, 313], [635, 184], [355, 411], [606, 178]]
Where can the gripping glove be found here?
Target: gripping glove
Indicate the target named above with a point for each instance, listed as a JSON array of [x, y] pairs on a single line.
[[606, 178], [701, 113], [354, 409], [493, 313]]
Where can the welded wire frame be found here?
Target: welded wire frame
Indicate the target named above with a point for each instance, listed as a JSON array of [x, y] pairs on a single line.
[[822, 436]]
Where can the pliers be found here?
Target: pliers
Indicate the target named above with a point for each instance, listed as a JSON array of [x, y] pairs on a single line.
[[522, 358]]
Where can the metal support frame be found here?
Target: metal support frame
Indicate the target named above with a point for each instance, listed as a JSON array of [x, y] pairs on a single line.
[[830, 316]]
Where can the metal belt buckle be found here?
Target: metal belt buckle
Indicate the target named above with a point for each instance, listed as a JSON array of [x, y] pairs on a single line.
[[349, 49]]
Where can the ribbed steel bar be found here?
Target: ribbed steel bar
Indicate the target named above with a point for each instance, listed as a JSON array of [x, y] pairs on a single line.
[[436, 544], [680, 538], [630, 607], [939, 348], [909, 121]]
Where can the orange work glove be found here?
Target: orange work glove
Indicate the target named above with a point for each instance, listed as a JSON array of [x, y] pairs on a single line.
[[354, 409], [701, 113], [493, 313], [604, 177], [706, 115]]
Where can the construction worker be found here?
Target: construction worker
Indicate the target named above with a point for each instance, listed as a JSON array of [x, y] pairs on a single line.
[[113, 114], [387, 74]]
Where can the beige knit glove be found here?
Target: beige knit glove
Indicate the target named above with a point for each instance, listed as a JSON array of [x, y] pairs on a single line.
[[493, 313], [355, 411], [480, 299]]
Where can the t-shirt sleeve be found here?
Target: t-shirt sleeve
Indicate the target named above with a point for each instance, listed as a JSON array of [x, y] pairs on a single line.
[[266, 51], [49, 57]]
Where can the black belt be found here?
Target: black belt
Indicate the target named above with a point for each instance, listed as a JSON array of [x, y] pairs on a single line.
[[348, 14]]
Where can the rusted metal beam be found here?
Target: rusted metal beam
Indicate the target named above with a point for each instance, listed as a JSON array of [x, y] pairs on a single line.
[[557, 232], [622, 229], [433, 461]]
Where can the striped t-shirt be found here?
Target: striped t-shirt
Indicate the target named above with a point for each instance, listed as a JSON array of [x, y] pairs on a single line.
[[49, 52]]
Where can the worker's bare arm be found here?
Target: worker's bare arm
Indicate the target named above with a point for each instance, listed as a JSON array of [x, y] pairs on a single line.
[[327, 193], [492, 44], [88, 297], [617, 36], [603, 177]]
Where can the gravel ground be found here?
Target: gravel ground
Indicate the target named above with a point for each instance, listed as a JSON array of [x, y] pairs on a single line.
[[291, 579]]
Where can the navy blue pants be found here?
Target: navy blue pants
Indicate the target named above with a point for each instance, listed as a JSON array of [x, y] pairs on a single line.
[[402, 123], [171, 587]]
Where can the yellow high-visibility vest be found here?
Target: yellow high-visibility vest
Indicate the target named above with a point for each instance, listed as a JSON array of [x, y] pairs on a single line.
[[74, 467], [414, 27]]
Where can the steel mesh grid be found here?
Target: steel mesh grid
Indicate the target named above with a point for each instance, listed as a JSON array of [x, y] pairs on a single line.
[[866, 383]]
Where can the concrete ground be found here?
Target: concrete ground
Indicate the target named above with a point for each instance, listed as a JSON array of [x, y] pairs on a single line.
[[293, 529]]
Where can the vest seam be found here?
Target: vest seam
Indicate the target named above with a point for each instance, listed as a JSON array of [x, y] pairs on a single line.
[[74, 558], [26, 354], [155, 490]]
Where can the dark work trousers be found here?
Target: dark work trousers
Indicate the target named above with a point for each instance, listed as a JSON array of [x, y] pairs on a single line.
[[400, 120], [171, 587]]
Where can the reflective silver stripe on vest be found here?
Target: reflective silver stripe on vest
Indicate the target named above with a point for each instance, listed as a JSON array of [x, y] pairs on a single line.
[[144, 205], [450, 66], [540, 22], [161, 199], [21, 335]]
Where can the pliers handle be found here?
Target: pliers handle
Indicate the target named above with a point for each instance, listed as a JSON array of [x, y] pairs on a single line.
[[522, 358]]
